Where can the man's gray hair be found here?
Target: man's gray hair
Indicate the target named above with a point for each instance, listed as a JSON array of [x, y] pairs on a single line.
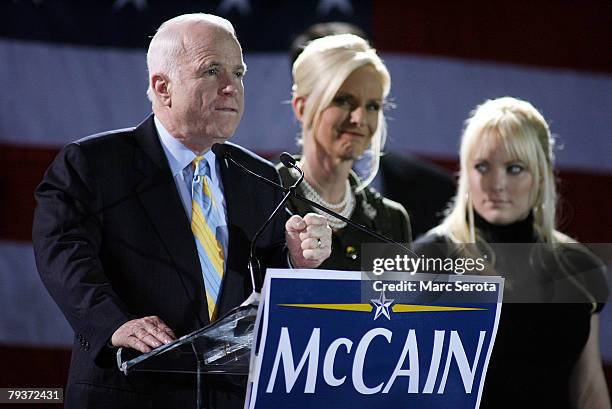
[[167, 44]]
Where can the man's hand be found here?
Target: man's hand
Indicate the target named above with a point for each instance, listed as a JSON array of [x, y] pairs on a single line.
[[308, 240], [142, 334]]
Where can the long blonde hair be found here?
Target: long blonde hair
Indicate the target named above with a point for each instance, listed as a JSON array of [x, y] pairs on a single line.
[[523, 132], [321, 69]]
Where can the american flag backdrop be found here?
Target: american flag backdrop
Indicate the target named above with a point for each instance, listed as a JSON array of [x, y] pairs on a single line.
[[73, 68]]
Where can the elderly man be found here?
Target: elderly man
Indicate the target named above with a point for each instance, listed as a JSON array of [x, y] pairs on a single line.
[[142, 233]]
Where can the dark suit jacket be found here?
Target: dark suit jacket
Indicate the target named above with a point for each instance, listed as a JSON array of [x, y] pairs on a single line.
[[113, 243], [423, 188]]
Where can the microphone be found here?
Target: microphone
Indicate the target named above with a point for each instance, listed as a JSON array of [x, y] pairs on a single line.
[[221, 151], [254, 266], [289, 161]]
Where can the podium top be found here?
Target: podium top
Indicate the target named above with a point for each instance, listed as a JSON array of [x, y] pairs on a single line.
[[223, 347]]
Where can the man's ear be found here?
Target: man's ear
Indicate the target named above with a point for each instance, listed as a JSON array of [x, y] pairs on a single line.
[[298, 107], [161, 88]]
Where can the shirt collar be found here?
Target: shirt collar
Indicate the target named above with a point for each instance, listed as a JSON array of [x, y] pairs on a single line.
[[179, 156]]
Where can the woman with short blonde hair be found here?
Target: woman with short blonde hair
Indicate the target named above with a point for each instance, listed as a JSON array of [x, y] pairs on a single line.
[[322, 68], [339, 90]]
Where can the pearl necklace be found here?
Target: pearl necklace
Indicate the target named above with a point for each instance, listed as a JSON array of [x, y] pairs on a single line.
[[311, 191], [347, 204]]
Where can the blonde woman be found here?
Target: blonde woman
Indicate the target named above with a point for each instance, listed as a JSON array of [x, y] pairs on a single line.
[[545, 354], [339, 88]]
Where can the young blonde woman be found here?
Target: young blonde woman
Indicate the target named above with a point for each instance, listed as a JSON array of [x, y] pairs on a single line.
[[339, 88], [546, 354]]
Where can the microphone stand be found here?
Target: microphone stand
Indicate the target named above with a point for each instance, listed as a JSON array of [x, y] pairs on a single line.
[[254, 265]]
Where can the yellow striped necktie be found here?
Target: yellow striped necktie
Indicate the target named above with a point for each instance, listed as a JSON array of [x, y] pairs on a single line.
[[205, 220]]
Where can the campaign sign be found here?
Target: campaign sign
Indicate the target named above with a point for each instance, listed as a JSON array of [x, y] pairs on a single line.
[[321, 343]]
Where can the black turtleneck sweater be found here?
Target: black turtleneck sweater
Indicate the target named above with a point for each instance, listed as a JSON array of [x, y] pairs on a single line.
[[537, 345], [518, 232]]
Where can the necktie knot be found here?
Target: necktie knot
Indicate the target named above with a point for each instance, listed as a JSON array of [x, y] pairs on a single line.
[[200, 166]]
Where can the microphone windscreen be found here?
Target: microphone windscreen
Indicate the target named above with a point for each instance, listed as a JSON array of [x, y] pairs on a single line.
[[219, 150], [287, 160]]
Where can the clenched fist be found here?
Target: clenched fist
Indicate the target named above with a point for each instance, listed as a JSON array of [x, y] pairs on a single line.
[[308, 240]]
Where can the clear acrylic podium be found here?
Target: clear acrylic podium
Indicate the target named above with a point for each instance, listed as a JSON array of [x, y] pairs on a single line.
[[223, 347]]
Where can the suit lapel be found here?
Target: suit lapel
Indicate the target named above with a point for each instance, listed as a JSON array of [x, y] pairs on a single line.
[[162, 203], [236, 281]]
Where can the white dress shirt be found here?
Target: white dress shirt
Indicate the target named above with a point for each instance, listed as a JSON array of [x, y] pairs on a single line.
[[180, 158]]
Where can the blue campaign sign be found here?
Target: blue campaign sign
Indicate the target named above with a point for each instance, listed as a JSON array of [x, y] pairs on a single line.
[[331, 339]]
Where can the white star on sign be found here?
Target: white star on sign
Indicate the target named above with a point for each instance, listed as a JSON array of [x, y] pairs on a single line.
[[326, 6], [243, 6], [382, 306], [139, 4]]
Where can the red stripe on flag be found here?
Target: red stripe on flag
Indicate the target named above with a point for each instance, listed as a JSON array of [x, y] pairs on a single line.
[[586, 197], [543, 33], [22, 168]]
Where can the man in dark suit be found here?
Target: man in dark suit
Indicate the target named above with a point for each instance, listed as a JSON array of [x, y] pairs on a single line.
[[119, 235]]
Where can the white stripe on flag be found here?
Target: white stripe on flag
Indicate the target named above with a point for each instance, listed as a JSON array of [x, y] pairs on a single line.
[[59, 93], [29, 314]]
